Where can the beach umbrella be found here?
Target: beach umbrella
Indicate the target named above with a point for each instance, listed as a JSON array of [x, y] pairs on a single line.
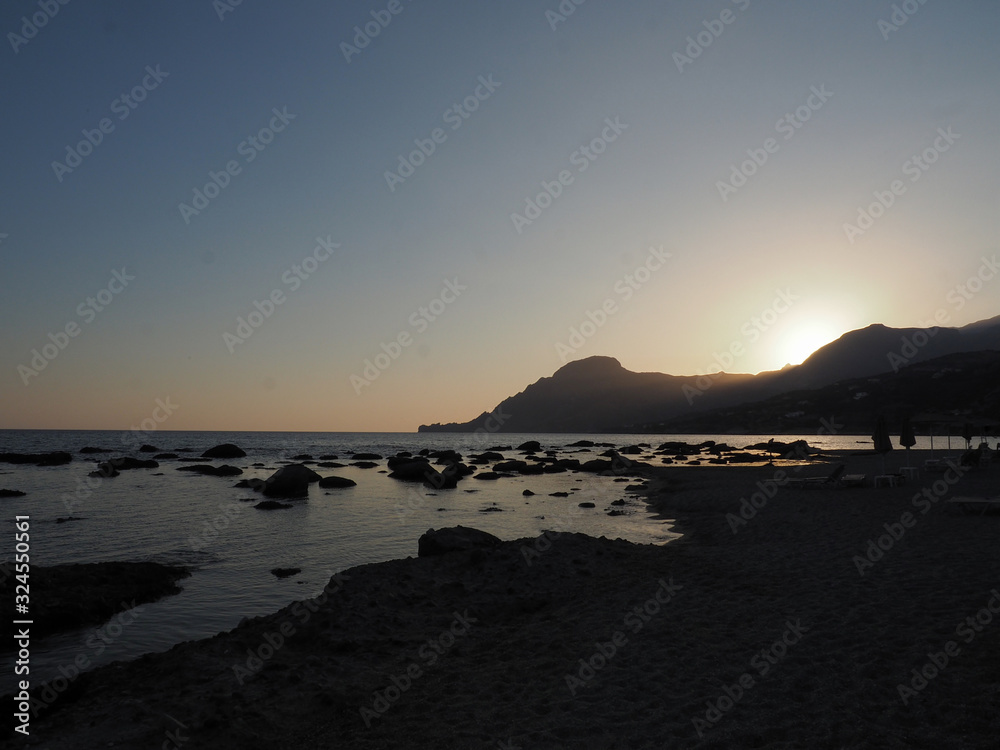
[[883, 443], [967, 434], [906, 437]]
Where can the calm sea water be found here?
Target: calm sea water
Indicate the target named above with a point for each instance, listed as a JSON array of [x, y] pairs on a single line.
[[176, 517]]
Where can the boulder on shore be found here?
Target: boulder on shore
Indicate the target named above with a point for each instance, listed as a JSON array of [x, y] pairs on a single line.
[[454, 539], [530, 446], [226, 450]]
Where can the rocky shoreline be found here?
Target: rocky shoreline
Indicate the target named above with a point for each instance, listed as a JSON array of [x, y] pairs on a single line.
[[816, 623]]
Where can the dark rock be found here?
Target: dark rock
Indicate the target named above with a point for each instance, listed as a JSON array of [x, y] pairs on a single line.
[[489, 456], [488, 475], [226, 450], [366, 457], [165, 456], [530, 446], [125, 463], [89, 449], [444, 480], [272, 505], [587, 505], [12, 493], [326, 465], [86, 595], [331, 482], [302, 457], [558, 494], [618, 502], [582, 444], [454, 539], [631, 450], [364, 464], [58, 458], [491, 509], [511, 466], [292, 480], [254, 484], [410, 469], [146, 448], [285, 572], [528, 493], [328, 457], [212, 471], [596, 465], [68, 518]]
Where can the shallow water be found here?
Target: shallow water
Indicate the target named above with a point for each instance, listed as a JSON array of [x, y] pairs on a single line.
[[176, 517]]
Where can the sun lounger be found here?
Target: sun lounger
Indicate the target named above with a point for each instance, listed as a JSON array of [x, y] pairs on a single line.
[[818, 482]]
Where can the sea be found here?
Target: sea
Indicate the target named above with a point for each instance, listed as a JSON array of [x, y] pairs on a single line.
[[203, 522]]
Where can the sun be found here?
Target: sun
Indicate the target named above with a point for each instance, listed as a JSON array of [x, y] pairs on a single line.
[[798, 343]]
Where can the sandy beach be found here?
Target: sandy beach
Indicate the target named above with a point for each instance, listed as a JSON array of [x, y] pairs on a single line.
[[825, 617]]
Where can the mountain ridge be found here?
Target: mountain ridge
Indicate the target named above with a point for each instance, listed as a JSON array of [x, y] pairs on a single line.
[[598, 394]]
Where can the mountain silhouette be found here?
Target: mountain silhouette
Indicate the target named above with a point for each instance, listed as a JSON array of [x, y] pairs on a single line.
[[597, 394]]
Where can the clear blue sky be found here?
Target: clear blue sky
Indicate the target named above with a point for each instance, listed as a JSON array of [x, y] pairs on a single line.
[[644, 126]]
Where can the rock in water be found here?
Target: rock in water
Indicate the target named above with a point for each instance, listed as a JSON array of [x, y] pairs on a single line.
[[213, 471], [285, 572], [328, 482], [290, 481], [271, 505], [226, 450], [454, 539], [531, 446]]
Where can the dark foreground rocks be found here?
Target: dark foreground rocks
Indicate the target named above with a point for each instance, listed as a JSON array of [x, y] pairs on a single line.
[[454, 539], [770, 637], [67, 597], [290, 481]]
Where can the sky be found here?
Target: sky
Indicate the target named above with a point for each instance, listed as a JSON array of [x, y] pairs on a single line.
[[366, 216]]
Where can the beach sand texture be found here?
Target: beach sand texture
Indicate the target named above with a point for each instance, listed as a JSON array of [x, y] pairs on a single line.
[[789, 633]]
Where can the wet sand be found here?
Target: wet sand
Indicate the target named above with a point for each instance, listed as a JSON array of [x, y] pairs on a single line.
[[793, 631]]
